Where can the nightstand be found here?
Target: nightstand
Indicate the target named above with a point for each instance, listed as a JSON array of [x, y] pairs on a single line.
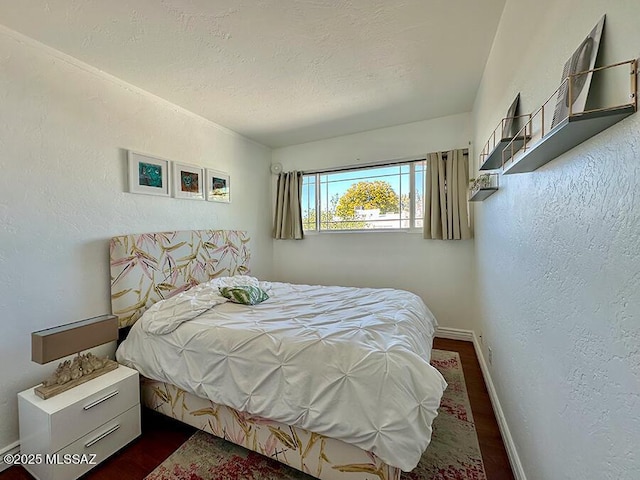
[[63, 433]]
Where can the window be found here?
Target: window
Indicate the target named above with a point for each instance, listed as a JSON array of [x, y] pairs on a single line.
[[365, 198]]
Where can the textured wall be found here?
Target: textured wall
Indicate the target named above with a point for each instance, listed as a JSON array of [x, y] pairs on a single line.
[[439, 271], [558, 254], [63, 129]]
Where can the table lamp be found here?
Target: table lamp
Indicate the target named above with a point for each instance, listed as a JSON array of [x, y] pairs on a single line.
[[58, 342]]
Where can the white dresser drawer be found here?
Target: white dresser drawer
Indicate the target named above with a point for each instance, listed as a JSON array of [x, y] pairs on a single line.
[[102, 441], [47, 426], [75, 420]]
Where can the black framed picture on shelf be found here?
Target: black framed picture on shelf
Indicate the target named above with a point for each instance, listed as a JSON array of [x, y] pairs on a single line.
[[510, 127], [582, 60]]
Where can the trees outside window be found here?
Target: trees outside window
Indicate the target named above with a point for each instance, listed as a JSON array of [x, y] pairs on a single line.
[[368, 198]]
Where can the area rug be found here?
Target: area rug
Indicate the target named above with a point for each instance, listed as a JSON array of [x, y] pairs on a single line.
[[454, 452]]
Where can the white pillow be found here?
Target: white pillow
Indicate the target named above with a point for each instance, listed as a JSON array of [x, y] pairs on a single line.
[[233, 281], [167, 315]]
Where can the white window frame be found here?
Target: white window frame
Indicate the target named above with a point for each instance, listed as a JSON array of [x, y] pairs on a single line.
[[412, 197]]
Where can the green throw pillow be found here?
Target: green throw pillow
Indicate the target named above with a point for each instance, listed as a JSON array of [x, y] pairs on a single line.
[[247, 295]]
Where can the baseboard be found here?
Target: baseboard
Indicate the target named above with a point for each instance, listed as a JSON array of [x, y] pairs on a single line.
[[454, 334], [10, 449], [512, 453]]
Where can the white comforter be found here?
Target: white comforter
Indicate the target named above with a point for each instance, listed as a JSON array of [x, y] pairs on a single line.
[[348, 363]]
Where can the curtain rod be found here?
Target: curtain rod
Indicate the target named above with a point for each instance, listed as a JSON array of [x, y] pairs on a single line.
[[388, 163]]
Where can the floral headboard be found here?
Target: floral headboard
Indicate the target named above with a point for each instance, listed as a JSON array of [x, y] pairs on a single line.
[[149, 267]]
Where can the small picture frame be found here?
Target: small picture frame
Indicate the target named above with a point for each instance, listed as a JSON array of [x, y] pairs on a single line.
[[148, 175], [188, 181], [509, 127], [218, 186]]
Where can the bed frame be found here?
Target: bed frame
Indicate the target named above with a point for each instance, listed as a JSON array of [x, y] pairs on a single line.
[[146, 268]]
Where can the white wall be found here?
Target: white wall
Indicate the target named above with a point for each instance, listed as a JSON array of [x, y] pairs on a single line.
[[558, 255], [439, 271], [64, 129]]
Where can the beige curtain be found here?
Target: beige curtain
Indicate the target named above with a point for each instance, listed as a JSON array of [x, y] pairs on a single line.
[[446, 216], [288, 216]]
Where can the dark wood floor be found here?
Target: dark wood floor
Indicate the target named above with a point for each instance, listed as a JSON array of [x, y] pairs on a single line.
[[161, 435], [494, 455]]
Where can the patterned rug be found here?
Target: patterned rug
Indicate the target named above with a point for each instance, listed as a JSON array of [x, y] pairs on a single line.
[[454, 453]]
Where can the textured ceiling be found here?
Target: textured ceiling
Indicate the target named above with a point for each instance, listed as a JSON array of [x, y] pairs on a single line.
[[280, 71]]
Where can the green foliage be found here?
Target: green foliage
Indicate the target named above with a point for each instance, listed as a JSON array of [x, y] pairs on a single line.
[[367, 195], [405, 202], [344, 225], [328, 222], [341, 214], [309, 220], [326, 217]]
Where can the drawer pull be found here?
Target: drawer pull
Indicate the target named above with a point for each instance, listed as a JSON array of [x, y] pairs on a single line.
[[100, 400], [101, 436]]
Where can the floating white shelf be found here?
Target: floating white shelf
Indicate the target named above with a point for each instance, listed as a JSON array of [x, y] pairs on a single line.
[[547, 144], [482, 194], [480, 190], [491, 155], [493, 161], [563, 137]]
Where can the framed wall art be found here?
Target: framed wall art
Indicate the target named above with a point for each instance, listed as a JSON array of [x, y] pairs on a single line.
[[148, 175], [582, 60], [188, 181], [218, 186], [511, 127]]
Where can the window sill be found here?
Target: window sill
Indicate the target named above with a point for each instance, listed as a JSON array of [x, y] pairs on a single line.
[[364, 231]]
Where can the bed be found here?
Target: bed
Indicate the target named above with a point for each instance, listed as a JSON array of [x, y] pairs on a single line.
[[333, 381]]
